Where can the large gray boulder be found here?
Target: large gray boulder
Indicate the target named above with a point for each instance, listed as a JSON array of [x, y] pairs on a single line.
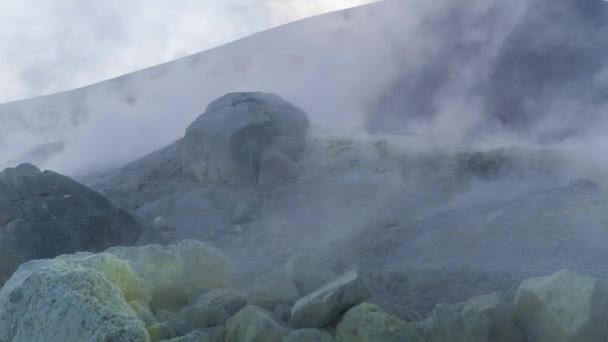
[[563, 307], [44, 214], [81, 297], [323, 306], [243, 136]]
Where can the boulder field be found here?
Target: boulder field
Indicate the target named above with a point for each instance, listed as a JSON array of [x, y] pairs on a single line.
[[110, 296]]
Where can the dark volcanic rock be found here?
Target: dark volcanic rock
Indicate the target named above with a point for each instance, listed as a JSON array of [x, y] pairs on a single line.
[[227, 143], [44, 214]]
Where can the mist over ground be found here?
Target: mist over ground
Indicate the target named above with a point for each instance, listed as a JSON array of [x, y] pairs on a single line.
[[429, 152], [475, 74]]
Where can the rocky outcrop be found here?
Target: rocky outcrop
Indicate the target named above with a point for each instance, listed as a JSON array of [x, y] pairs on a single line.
[[214, 308], [324, 305], [243, 138], [44, 214], [72, 298], [563, 307], [253, 324], [177, 271], [368, 323]]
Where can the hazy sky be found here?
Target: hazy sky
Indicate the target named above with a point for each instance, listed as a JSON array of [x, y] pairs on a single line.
[[53, 45]]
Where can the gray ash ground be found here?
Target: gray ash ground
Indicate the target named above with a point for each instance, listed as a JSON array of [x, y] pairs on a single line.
[[421, 228]]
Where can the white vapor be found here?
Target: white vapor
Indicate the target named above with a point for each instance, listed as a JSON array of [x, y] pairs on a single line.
[[48, 46]]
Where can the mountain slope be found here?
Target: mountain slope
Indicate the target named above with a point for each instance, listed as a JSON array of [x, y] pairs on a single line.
[[454, 73]]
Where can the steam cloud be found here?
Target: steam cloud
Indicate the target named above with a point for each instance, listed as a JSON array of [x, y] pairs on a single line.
[[443, 75]]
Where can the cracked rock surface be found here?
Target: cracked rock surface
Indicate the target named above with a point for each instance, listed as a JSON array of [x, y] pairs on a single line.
[[44, 214]]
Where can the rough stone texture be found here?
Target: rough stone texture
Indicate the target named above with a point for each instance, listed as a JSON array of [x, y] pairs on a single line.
[[327, 303], [368, 323], [216, 334], [308, 273], [174, 321], [161, 331], [501, 314], [214, 308], [272, 289], [227, 142], [308, 335], [282, 312], [45, 214], [143, 312], [563, 307], [276, 167], [253, 324], [195, 336], [452, 323], [72, 298], [176, 271]]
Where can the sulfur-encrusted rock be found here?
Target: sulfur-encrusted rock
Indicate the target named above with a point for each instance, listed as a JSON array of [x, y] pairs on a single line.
[[369, 323], [81, 297], [563, 307], [308, 273], [214, 308], [327, 303], [143, 312], [501, 314], [44, 214], [161, 331], [227, 142], [272, 289], [253, 324], [452, 323], [174, 272], [308, 335]]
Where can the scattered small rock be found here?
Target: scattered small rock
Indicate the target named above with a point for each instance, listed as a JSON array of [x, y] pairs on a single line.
[[308, 273], [253, 324], [324, 305], [452, 323], [214, 308], [369, 323], [272, 289]]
